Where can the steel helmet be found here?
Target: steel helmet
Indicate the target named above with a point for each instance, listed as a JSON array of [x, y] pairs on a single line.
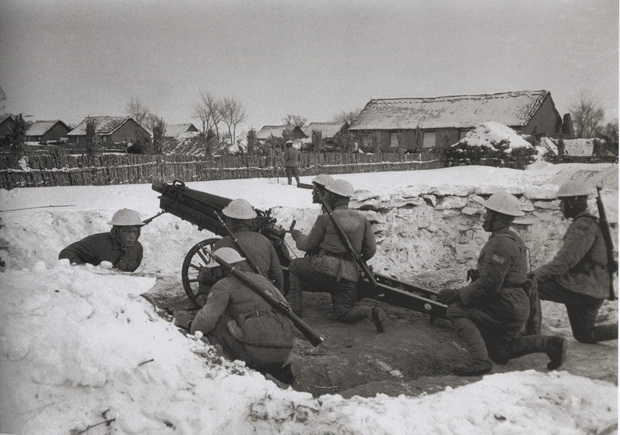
[[126, 218], [341, 187], [322, 180], [239, 209], [504, 203], [573, 188], [229, 255]]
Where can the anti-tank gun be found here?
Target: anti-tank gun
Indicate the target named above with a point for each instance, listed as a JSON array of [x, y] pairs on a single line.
[[204, 210]]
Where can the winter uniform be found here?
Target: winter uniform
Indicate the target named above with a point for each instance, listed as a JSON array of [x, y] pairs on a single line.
[[258, 248], [577, 277], [97, 248], [291, 163], [491, 313], [245, 325], [332, 269]]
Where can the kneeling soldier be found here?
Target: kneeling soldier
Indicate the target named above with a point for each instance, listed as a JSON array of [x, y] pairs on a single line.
[[241, 321], [490, 313], [120, 246], [329, 267]]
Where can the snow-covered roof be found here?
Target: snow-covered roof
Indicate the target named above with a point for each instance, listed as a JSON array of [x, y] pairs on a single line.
[[174, 130], [39, 128], [103, 125], [489, 134], [514, 109], [327, 129], [270, 130]]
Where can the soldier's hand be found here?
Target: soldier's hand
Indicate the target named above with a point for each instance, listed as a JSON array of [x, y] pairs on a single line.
[[448, 296], [295, 234]]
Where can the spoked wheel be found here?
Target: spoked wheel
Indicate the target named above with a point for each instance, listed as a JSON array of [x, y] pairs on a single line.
[[194, 261]]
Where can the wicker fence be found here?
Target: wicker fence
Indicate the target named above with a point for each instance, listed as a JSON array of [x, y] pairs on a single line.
[[71, 170]]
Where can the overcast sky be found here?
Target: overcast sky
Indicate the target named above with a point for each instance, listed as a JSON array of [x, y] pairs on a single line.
[[67, 59]]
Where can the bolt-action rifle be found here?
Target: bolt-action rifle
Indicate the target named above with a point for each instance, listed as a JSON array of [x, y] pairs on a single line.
[[280, 305], [612, 264], [347, 242]]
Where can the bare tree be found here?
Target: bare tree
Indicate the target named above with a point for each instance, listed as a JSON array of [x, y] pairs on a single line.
[[92, 140], [233, 114], [2, 100], [158, 127], [347, 116], [208, 110], [586, 114], [137, 110]]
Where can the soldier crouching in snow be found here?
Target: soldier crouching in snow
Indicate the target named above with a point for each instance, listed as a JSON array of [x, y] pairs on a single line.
[[330, 267], [120, 246], [244, 323], [490, 313]]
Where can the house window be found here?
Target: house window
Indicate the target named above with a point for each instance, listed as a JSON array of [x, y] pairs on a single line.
[[429, 139], [394, 142]]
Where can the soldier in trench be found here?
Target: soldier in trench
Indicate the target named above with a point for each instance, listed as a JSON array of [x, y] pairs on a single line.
[[491, 313], [120, 246], [242, 322], [330, 267], [577, 276]]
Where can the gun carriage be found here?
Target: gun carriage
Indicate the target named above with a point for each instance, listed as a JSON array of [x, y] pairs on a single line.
[[204, 210]]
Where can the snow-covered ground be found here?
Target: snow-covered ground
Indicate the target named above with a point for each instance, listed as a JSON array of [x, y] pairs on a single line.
[[81, 349]]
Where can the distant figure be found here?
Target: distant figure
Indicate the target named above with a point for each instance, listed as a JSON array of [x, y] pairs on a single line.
[[242, 322], [577, 276], [491, 312], [239, 216], [120, 246], [291, 162], [329, 266], [4, 246]]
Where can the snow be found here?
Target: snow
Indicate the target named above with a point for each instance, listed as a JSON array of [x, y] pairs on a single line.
[[490, 134], [80, 346]]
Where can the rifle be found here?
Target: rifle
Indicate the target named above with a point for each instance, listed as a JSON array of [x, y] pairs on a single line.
[[345, 239], [283, 307], [238, 245], [612, 264]]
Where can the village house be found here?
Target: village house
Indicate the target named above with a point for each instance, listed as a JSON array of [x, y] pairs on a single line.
[[47, 131], [416, 124], [329, 130], [112, 130], [175, 130], [6, 123], [269, 131]]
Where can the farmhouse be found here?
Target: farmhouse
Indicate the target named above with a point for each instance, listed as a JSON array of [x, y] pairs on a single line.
[[329, 130], [111, 130], [277, 131], [46, 131], [6, 122], [174, 130], [416, 124]]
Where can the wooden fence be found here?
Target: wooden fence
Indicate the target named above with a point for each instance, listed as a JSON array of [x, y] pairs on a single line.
[[71, 170]]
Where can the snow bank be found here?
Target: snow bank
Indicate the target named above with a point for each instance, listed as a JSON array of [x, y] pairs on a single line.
[[490, 134], [80, 348]]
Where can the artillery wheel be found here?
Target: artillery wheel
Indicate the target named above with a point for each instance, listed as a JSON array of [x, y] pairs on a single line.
[[194, 261]]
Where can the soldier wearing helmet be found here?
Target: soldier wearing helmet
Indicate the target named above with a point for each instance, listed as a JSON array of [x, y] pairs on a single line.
[[577, 275], [244, 323], [318, 187], [239, 216], [490, 313], [120, 246], [330, 267]]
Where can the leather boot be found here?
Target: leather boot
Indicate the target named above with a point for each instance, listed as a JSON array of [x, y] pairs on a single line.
[[554, 347], [606, 332], [379, 318], [470, 335], [354, 314]]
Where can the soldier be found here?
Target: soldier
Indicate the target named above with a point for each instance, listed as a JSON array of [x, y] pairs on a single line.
[[489, 313], [291, 162], [4, 246], [120, 246], [239, 216], [577, 276], [332, 269], [242, 322], [318, 187]]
